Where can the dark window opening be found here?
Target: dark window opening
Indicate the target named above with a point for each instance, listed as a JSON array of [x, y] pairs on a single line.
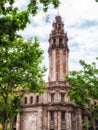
[[15, 119], [51, 115], [96, 122], [95, 104], [54, 40], [91, 128], [51, 129], [89, 118], [25, 100], [14, 128], [60, 41], [62, 97], [54, 45], [31, 100], [82, 117], [37, 99], [52, 97], [62, 115]]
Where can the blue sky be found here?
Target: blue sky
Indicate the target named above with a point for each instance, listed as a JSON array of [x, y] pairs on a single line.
[[81, 23]]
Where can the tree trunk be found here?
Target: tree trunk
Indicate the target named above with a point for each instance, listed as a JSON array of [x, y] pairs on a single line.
[[4, 127]]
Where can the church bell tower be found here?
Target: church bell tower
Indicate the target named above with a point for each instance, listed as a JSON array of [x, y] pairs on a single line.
[[58, 51]]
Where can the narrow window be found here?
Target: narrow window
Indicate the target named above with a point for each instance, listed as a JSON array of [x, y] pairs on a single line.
[[51, 115], [51, 129], [53, 40], [89, 118], [52, 97], [62, 115], [60, 41], [25, 100], [15, 119], [37, 99], [83, 119], [31, 100], [62, 97]]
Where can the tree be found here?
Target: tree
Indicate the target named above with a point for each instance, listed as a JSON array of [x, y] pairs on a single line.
[[19, 60], [19, 68], [84, 87]]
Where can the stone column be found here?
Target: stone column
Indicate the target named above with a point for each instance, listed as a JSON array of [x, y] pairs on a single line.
[[73, 121], [55, 120], [79, 120], [53, 75], [48, 120], [59, 120], [68, 120], [18, 122]]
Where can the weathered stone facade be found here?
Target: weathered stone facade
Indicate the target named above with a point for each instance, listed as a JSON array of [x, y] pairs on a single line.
[[53, 110]]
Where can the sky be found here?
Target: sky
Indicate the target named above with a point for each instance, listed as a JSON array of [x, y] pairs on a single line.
[[81, 24]]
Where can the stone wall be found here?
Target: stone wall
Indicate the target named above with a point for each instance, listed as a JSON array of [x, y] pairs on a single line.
[[31, 119]]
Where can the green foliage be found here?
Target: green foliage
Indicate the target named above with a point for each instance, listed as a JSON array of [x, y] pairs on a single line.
[[84, 87], [19, 60], [86, 125], [19, 68]]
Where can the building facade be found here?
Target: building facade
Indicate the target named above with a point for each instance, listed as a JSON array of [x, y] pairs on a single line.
[[53, 110]]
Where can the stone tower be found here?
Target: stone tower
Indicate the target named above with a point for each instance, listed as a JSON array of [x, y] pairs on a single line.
[[58, 51], [53, 110]]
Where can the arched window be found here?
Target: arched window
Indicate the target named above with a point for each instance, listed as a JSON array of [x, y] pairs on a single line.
[[83, 118], [25, 100], [51, 115], [62, 97], [61, 43], [52, 97], [54, 41], [62, 115], [31, 99], [37, 99]]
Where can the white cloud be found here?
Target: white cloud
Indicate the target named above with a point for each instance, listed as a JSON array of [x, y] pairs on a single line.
[[81, 23]]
